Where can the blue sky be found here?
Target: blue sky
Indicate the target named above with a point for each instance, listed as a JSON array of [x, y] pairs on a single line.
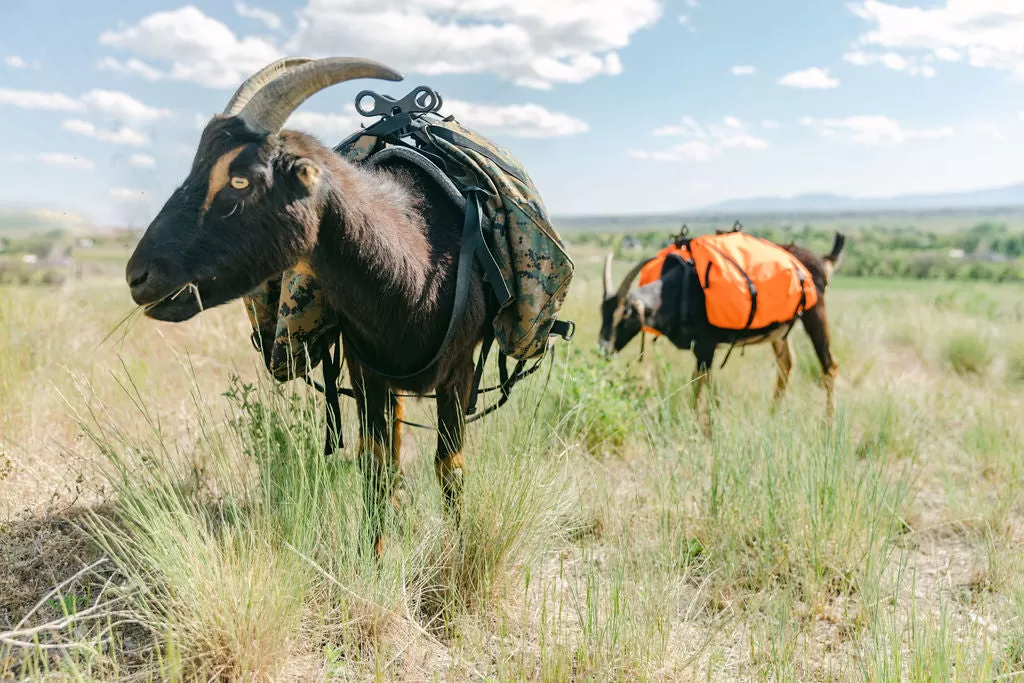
[[615, 106]]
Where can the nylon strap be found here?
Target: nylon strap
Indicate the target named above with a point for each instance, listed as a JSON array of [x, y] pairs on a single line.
[[471, 235]]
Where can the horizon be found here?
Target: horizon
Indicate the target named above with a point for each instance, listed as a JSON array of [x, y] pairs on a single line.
[[643, 107]]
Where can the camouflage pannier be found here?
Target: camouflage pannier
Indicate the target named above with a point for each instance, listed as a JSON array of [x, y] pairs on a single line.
[[532, 269]]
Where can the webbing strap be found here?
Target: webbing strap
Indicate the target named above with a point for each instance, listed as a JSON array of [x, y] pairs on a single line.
[[332, 368], [471, 236]]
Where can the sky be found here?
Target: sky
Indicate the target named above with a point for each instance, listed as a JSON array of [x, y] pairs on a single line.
[[613, 106]]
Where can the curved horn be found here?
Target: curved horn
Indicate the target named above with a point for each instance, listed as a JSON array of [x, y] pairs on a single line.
[[271, 106], [608, 284], [255, 83], [630, 276]]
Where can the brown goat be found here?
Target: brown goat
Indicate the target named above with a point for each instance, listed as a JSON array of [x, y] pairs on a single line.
[[384, 243], [674, 306]]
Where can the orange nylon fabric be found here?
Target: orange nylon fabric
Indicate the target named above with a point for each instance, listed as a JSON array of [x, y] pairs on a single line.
[[724, 262], [652, 271]]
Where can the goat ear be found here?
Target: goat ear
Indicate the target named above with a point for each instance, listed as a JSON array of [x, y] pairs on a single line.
[[308, 173]]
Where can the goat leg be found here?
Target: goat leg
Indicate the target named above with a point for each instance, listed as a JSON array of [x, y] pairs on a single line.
[[451, 426]]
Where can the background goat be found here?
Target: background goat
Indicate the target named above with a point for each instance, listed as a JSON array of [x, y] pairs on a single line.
[[674, 306], [384, 243]]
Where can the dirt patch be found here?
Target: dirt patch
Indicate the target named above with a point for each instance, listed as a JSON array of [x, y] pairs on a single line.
[[35, 556]]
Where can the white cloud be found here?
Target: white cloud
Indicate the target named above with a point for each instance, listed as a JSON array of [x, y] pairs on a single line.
[[702, 143], [769, 124], [533, 43], [198, 48], [814, 77], [330, 128], [269, 19], [120, 136], [989, 130], [122, 106], [893, 60], [141, 161], [988, 32], [127, 194], [33, 99], [132, 66], [65, 160], [743, 70], [683, 19], [517, 120], [874, 130], [116, 105], [17, 61]]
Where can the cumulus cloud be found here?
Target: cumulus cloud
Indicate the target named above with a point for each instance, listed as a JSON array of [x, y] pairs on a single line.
[[18, 62], [517, 120], [111, 103], [702, 143], [329, 127], [118, 136], [812, 78], [268, 18], [34, 99], [912, 66], [122, 106], [743, 70], [196, 47], [985, 32], [874, 130], [533, 44], [131, 66]]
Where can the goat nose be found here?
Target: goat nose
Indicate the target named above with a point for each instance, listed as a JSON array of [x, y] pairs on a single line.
[[138, 280]]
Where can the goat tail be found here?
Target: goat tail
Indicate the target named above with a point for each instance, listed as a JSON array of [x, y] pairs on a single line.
[[833, 258]]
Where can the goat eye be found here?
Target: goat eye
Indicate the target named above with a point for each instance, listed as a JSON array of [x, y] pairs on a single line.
[[239, 183]]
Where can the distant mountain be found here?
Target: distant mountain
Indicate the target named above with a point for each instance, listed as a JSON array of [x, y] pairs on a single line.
[[1012, 195]]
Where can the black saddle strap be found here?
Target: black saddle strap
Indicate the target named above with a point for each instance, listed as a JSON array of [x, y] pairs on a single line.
[[471, 236], [332, 368]]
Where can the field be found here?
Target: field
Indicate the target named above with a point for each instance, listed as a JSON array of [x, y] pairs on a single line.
[[167, 512]]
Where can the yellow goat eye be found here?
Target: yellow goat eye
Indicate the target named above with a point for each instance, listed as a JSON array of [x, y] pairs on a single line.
[[239, 183]]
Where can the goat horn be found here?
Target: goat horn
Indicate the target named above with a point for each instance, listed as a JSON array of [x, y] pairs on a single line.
[[271, 106], [255, 83], [608, 284], [630, 276]]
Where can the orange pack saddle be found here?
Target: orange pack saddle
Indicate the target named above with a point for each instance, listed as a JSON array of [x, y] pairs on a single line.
[[749, 283]]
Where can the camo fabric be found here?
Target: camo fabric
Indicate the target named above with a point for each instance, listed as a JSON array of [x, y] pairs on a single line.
[[290, 320], [529, 253], [289, 312]]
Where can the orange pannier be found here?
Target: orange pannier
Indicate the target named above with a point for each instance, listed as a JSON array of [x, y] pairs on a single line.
[[652, 271], [748, 282]]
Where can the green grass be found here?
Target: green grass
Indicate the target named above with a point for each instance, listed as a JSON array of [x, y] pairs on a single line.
[[604, 537], [968, 353]]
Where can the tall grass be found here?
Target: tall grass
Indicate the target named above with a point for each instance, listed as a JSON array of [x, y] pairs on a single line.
[[603, 538]]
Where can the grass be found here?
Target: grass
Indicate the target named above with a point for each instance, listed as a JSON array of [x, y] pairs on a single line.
[[603, 539], [968, 353]]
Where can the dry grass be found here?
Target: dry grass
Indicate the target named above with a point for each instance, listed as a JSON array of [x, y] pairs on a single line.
[[604, 538]]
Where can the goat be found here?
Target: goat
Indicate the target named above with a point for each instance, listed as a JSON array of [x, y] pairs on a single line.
[[674, 306], [383, 242]]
